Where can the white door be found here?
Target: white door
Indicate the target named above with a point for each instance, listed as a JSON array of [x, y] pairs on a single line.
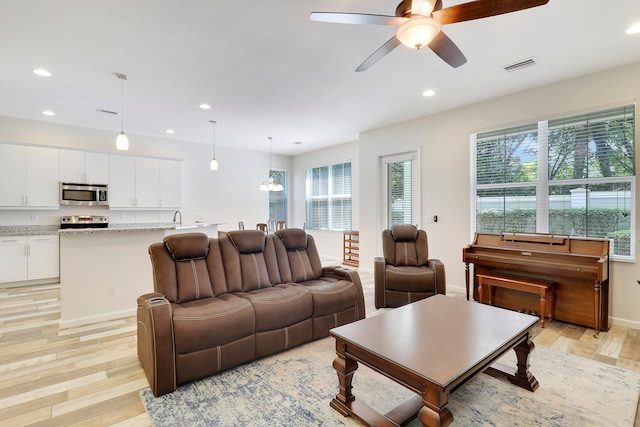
[[400, 184]]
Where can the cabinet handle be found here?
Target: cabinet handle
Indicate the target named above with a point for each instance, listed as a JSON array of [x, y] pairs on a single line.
[[9, 240]]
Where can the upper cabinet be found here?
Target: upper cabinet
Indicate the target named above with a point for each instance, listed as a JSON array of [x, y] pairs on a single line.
[[30, 177], [144, 183], [84, 167]]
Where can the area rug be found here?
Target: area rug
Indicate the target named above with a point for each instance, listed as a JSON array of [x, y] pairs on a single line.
[[294, 388]]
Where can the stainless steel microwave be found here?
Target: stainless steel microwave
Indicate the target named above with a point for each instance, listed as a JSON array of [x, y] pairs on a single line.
[[79, 194]]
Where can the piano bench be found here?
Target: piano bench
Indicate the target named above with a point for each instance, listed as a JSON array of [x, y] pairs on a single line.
[[541, 287]]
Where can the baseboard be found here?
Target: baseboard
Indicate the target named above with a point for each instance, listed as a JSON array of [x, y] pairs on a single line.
[[631, 324], [81, 321]]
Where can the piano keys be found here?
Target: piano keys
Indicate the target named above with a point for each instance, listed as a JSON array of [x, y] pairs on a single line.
[[578, 266]]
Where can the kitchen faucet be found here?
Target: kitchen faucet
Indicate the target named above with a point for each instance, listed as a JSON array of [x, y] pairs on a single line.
[[175, 214]]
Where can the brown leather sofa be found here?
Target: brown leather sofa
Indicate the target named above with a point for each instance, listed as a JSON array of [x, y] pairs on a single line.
[[406, 273], [220, 302]]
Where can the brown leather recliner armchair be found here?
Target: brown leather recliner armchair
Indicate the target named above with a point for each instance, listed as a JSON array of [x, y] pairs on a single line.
[[406, 274]]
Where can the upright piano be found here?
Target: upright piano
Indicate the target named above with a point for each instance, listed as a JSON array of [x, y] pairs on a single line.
[[578, 266]]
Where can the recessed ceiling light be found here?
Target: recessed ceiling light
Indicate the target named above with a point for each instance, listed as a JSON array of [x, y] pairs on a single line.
[[48, 113], [41, 72], [429, 92], [171, 131], [205, 106], [634, 29]]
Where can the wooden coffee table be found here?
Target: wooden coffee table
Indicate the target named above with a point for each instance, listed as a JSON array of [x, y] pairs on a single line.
[[431, 347]]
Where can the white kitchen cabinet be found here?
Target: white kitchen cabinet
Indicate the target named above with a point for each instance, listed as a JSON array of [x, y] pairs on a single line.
[[13, 160], [44, 257], [148, 182], [29, 258], [30, 177], [122, 182], [144, 183], [13, 252], [84, 167], [171, 183]]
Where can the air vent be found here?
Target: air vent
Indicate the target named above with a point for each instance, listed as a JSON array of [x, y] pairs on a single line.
[[99, 110], [520, 65]]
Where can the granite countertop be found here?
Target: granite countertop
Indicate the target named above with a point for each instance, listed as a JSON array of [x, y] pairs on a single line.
[[28, 230], [137, 227], [36, 230]]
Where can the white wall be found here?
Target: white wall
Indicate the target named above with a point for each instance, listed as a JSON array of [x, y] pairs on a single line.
[[443, 140], [227, 195]]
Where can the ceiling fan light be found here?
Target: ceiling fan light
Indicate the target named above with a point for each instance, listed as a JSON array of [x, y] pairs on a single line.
[[122, 142], [418, 31]]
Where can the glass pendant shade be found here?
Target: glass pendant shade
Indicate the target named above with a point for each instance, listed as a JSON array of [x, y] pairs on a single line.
[[269, 184], [122, 142], [418, 31], [213, 165]]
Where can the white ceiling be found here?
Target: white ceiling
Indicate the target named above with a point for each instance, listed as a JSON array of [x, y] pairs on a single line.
[[267, 70]]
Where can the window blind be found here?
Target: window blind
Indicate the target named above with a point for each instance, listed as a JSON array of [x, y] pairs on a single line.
[[329, 197], [571, 175]]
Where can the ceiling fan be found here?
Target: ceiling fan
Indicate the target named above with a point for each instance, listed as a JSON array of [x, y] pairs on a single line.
[[419, 24]]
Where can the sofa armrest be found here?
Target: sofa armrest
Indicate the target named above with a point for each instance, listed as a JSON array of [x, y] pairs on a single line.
[[441, 284], [156, 349], [352, 276], [379, 281]]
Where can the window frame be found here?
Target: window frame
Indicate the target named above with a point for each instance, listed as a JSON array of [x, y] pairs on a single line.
[[341, 201], [543, 183]]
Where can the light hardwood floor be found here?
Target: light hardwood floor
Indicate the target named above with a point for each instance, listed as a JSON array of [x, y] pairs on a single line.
[[90, 376]]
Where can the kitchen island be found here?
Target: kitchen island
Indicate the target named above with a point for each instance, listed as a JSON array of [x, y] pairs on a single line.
[[104, 270]]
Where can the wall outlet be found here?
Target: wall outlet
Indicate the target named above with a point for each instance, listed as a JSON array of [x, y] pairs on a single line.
[[112, 291]]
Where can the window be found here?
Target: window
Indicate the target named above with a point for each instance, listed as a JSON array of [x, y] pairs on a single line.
[[278, 199], [398, 175], [574, 175], [329, 197]]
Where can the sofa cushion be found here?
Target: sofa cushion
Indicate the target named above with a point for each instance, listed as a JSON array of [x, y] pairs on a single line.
[[410, 279], [279, 306], [331, 295], [211, 322], [248, 241], [294, 239], [302, 258], [404, 233], [187, 246], [193, 280]]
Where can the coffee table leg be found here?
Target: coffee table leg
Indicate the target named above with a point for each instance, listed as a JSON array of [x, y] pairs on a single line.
[[523, 377], [345, 367], [435, 413]]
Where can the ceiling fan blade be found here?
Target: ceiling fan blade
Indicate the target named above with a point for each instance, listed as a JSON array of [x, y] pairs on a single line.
[[483, 9], [391, 44], [357, 18], [446, 49]]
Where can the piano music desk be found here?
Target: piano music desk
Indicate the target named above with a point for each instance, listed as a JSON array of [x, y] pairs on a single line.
[[544, 288]]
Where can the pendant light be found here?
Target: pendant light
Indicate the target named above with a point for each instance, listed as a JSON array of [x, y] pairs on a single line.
[[269, 184], [122, 142], [213, 165]]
